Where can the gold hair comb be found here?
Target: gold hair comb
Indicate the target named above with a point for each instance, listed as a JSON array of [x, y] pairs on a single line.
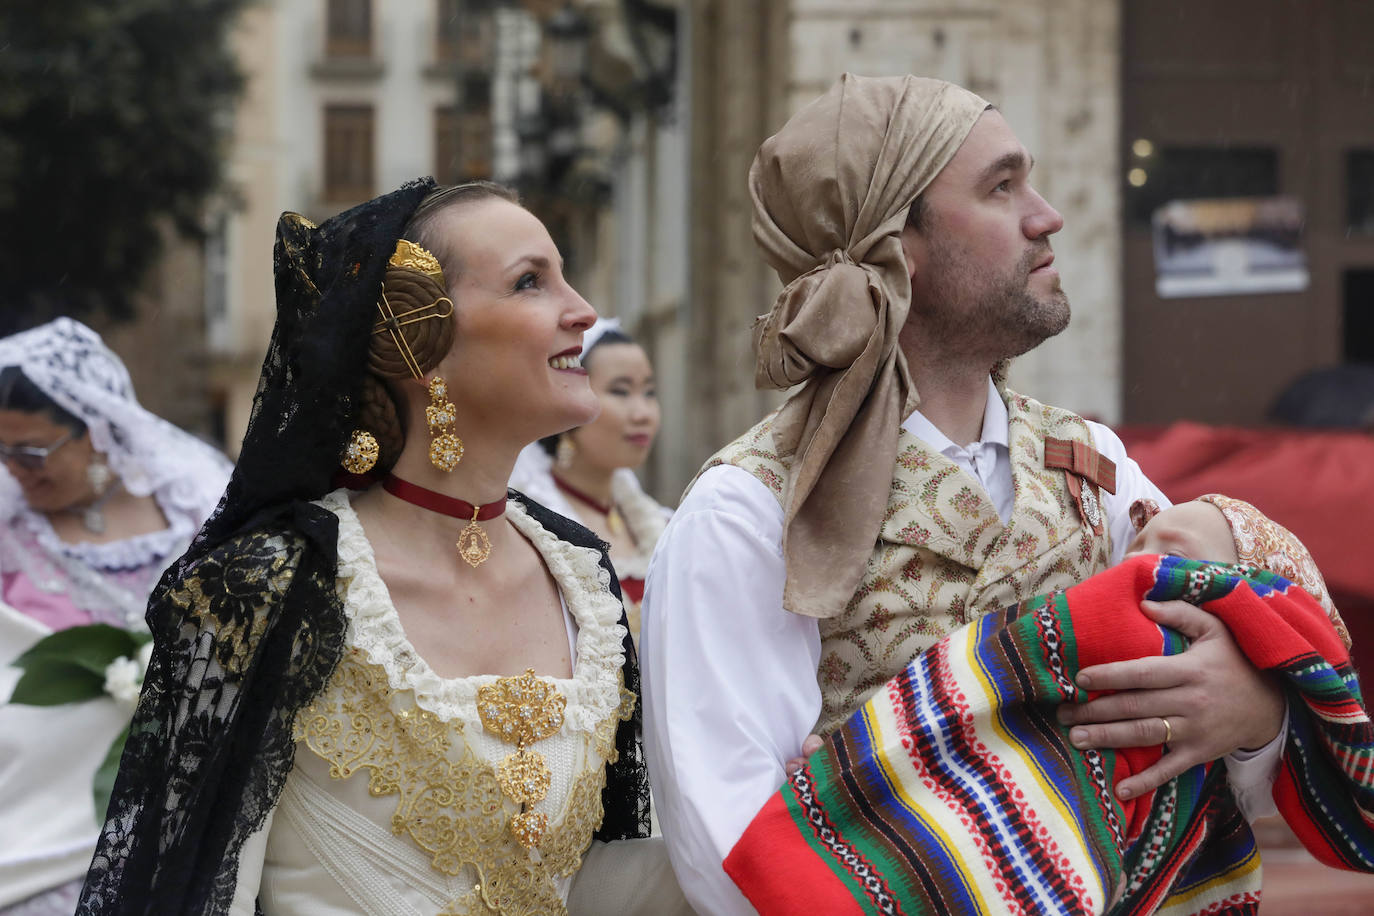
[[412, 256]]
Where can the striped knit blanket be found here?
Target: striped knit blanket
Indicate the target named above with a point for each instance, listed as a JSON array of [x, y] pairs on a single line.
[[955, 790]]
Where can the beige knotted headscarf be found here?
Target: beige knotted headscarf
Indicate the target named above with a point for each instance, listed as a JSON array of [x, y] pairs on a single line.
[[831, 193]]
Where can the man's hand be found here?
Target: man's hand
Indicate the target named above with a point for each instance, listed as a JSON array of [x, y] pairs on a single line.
[[1215, 701], [809, 747]]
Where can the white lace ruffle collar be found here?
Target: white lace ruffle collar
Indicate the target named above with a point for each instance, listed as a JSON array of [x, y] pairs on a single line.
[[645, 518], [593, 691], [153, 548]]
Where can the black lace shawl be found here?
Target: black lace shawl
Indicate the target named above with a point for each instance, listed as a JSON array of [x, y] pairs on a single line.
[[248, 626]]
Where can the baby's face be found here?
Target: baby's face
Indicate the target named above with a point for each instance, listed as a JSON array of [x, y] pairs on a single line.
[[1195, 531]]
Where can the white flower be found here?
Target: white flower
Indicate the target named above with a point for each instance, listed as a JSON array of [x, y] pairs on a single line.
[[123, 678]]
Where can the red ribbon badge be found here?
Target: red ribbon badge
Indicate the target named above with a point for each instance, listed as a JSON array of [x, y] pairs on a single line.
[[1082, 464]]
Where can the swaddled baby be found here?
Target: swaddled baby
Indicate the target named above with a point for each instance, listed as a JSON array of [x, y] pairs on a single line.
[[956, 790]]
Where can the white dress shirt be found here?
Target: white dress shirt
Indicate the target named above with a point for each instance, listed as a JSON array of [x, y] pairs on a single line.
[[729, 677]]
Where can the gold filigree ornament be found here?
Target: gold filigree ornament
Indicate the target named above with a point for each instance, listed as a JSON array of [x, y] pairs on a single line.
[[474, 546], [448, 801], [361, 454], [523, 710], [445, 448], [412, 256], [524, 777]]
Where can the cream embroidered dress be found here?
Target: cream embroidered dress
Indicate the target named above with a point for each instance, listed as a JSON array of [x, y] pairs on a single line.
[[403, 802]]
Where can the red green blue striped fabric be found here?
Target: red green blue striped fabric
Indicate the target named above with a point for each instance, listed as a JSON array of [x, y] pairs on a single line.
[[955, 790]]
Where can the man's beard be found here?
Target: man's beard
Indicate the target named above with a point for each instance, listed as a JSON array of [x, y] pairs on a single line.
[[974, 311]]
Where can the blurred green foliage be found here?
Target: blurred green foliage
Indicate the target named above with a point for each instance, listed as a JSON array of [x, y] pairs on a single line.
[[114, 116]]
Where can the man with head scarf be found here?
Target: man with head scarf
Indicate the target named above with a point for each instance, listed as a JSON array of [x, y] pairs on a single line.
[[903, 490]]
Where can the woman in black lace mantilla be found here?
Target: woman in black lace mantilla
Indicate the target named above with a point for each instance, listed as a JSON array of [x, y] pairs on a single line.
[[335, 718]]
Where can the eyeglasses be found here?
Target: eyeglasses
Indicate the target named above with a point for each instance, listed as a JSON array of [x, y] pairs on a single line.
[[32, 457]]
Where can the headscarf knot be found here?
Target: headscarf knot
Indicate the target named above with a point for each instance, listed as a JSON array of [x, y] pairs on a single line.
[[822, 320]]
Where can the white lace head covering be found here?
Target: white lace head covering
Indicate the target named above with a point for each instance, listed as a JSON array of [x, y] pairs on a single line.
[[592, 336], [69, 363]]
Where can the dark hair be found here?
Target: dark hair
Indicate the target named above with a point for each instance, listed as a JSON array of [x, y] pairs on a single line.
[[613, 336], [428, 341], [18, 392], [916, 215]]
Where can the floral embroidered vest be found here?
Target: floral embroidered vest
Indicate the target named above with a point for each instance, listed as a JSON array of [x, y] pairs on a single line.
[[943, 556]]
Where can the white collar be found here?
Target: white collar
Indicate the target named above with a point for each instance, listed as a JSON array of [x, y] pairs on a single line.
[[995, 424]]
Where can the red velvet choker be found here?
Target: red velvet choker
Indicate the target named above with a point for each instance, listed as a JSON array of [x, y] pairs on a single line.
[[473, 544], [603, 508], [613, 519]]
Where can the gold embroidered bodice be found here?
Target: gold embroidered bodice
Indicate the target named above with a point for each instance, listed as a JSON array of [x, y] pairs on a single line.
[[407, 750], [943, 555]]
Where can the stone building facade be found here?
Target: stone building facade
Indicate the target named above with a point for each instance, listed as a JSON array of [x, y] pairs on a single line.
[[393, 74], [672, 252], [1049, 65]]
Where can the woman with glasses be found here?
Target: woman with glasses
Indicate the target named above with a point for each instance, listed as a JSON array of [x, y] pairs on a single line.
[[97, 498]]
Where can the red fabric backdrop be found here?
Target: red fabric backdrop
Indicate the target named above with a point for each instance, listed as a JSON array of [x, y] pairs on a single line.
[[1319, 485]]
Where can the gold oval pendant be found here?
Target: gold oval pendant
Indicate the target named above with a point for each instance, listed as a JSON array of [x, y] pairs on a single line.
[[473, 545]]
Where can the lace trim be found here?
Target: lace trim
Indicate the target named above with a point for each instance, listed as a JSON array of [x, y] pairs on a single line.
[[117, 595], [69, 363], [646, 520], [129, 553], [593, 692], [448, 800]]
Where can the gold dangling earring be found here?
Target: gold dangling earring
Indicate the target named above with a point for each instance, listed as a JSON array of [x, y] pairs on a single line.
[[564, 452], [445, 448], [362, 452]]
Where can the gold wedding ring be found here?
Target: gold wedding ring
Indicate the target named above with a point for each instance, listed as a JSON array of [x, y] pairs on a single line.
[[1168, 730]]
